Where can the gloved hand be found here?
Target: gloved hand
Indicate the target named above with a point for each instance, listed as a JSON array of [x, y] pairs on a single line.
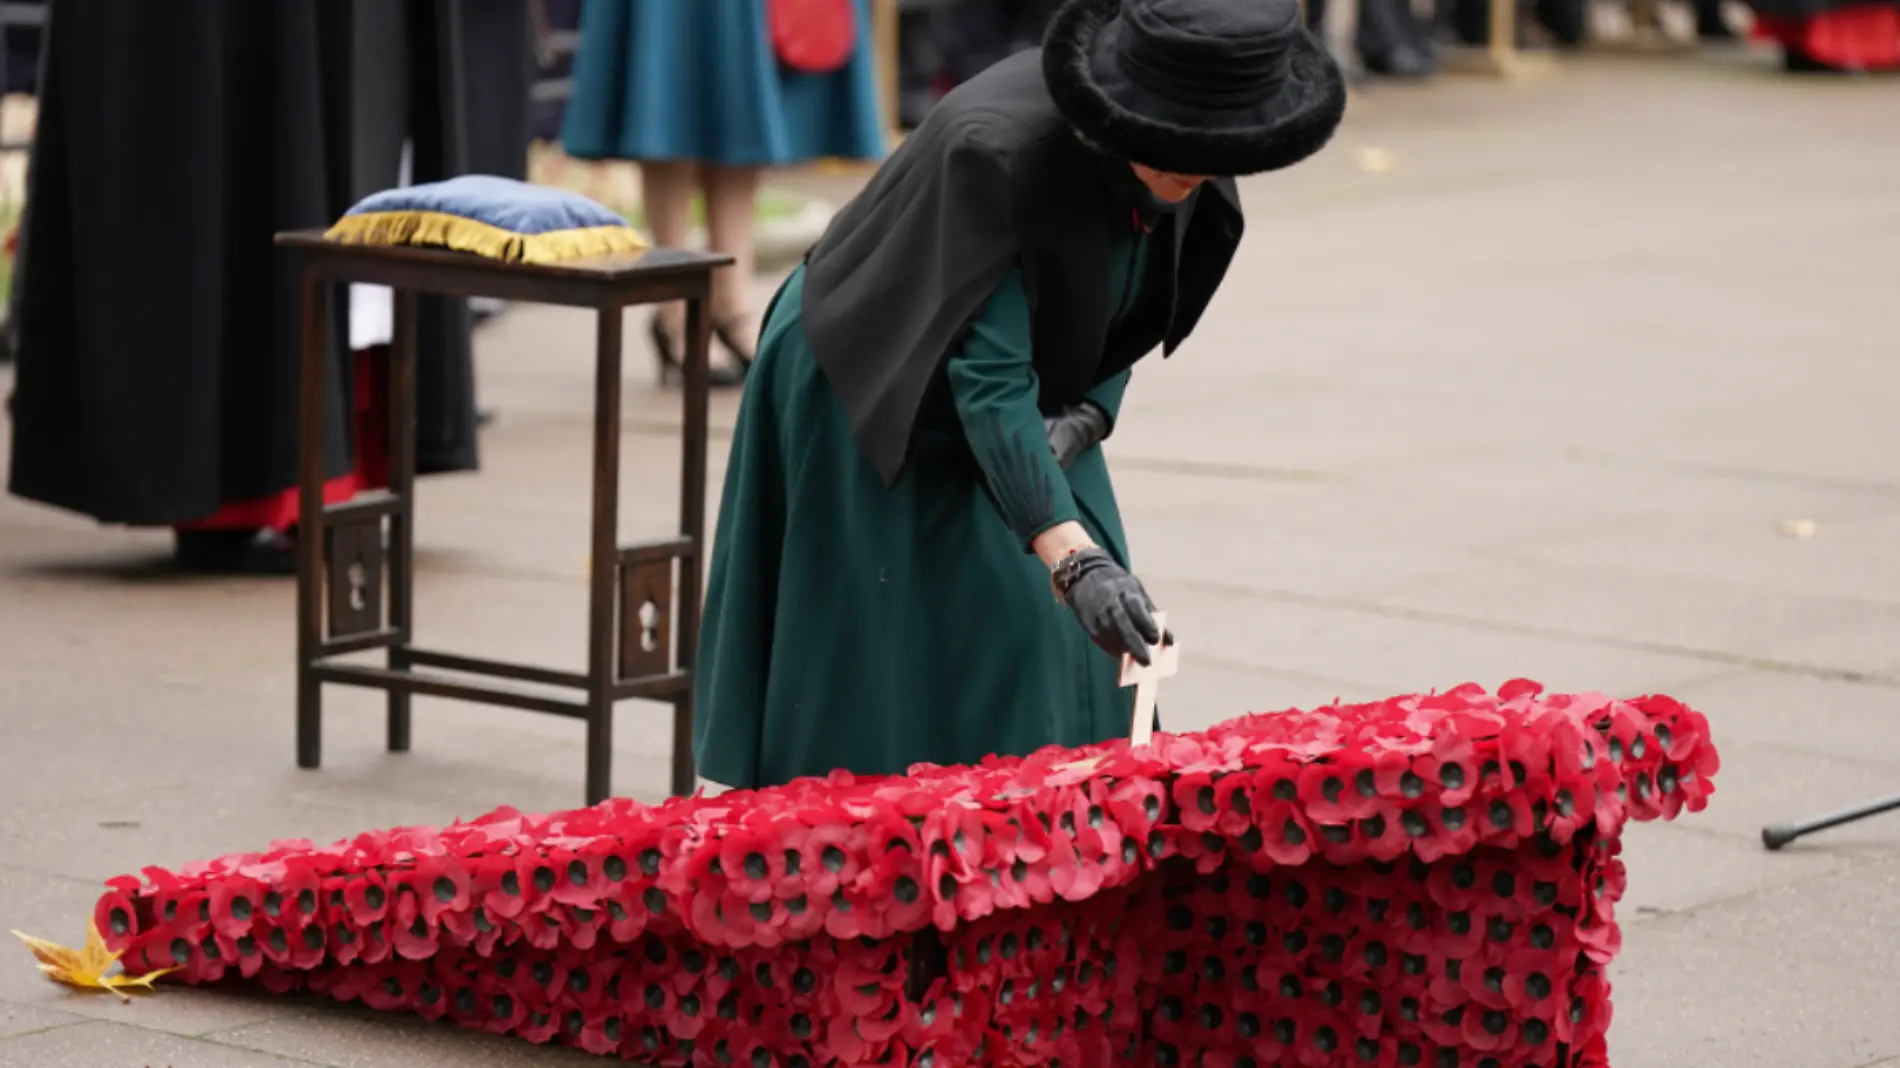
[[1109, 603], [1072, 430]]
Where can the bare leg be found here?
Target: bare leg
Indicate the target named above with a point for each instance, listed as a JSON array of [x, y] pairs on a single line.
[[666, 193], [731, 204]]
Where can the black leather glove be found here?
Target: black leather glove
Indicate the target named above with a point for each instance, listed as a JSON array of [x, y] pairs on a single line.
[[1073, 429], [1109, 603]]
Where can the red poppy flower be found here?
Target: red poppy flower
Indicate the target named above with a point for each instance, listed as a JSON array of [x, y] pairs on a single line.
[[440, 884], [367, 898], [495, 885], [1135, 805], [388, 989], [542, 1023], [626, 909], [750, 863], [951, 897], [340, 984], [414, 940], [308, 947], [534, 883], [895, 899], [468, 928], [1458, 933], [1339, 791], [583, 926], [1031, 880], [1207, 849], [371, 944], [1195, 802], [234, 903], [601, 1032], [278, 981], [1585, 1013], [273, 942], [1079, 873], [511, 1011], [851, 914], [1614, 876], [1601, 939], [1458, 884], [578, 878], [116, 916], [174, 901], [827, 860], [431, 1001]]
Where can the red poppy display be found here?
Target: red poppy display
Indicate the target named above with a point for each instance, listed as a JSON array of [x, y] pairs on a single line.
[[1429, 881]]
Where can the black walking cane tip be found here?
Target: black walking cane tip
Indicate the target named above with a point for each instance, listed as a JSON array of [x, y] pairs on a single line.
[[1776, 835]]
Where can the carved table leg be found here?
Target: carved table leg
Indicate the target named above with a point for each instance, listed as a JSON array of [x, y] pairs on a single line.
[[310, 405], [602, 558], [692, 528], [402, 486]]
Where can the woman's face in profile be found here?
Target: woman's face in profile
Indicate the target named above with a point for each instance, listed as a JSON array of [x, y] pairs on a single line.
[[1169, 188]]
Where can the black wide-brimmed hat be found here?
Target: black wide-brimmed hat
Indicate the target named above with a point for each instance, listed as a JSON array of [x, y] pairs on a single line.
[[1197, 87]]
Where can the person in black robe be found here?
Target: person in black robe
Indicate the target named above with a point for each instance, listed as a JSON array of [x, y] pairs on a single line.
[[157, 325]]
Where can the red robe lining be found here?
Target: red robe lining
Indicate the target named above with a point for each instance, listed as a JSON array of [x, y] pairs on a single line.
[[1865, 37], [369, 427]]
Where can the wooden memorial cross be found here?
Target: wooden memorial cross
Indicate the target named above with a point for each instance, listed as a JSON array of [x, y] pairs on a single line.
[[1164, 661]]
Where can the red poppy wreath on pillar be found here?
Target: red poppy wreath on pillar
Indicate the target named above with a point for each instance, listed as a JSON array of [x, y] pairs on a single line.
[[1429, 881]]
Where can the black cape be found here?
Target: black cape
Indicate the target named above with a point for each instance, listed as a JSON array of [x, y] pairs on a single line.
[[995, 177], [157, 325]]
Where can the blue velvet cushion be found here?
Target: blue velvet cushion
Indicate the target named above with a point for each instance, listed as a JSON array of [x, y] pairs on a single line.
[[488, 216]]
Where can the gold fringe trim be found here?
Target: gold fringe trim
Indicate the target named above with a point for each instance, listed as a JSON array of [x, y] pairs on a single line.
[[443, 230]]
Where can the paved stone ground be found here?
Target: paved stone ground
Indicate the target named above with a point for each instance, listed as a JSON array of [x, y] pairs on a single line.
[[1537, 400]]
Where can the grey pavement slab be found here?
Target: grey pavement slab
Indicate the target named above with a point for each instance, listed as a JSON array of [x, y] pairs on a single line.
[[1847, 920], [25, 1019], [1673, 867], [1401, 652], [1682, 1000], [115, 1045], [1799, 974], [1801, 714], [1703, 616], [351, 1039], [1536, 400]]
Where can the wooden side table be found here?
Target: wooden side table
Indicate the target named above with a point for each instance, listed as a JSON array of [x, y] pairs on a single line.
[[356, 559]]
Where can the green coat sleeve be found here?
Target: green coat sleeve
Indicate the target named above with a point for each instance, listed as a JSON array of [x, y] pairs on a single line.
[[1108, 396], [994, 388]]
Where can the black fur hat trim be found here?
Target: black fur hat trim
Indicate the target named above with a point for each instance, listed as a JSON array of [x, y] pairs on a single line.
[[1295, 123]]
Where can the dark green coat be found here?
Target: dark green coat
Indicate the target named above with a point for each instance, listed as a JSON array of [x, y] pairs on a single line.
[[849, 625], [874, 601]]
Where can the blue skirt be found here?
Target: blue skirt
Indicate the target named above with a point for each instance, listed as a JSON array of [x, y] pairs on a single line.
[[698, 80]]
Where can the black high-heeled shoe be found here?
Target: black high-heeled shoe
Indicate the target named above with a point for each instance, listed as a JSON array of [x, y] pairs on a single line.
[[726, 332], [666, 354]]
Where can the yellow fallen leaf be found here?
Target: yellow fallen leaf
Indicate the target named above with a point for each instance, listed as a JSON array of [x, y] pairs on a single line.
[[122, 982], [1800, 528], [86, 968]]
